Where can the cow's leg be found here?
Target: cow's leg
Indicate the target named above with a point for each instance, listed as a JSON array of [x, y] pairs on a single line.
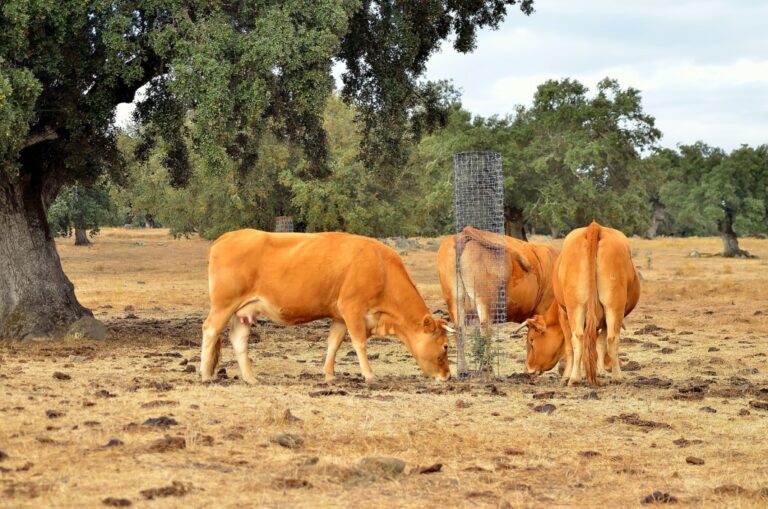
[[359, 335], [335, 338], [566, 328], [613, 321], [211, 347], [601, 346], [238, 336], [576, 321]]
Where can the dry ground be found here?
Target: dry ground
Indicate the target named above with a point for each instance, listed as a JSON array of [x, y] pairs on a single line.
[[690, 420]]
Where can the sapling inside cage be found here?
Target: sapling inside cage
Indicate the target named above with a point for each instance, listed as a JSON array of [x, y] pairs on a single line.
[[480, 261]]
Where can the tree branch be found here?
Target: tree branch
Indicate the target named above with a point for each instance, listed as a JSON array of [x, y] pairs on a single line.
[[48, 134]]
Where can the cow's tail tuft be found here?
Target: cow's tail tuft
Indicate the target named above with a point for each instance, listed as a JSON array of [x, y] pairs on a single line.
[[589, 356]]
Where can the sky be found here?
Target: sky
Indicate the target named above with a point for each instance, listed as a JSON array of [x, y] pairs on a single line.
[[701, 65]]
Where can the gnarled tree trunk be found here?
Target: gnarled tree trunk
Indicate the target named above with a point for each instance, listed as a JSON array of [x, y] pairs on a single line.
[[656, 219], [514, 223], [730, 241], [36, 298], [81, 237]]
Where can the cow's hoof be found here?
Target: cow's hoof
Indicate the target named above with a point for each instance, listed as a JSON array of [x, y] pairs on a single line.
[[329, 378], [617, 379], [574, 382], [250, 380], [370, 379]]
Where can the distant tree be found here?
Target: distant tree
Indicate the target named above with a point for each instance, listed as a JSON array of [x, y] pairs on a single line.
[[712, 191], [580, 157], [81, 210]]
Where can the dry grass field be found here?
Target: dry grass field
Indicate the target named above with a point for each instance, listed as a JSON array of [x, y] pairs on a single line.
[[79, 420]]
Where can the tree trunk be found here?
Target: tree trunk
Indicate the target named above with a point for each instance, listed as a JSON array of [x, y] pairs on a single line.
[[81, 237], [514, 223], [36, 298], [555, 232], [730, 241], [656, 219]]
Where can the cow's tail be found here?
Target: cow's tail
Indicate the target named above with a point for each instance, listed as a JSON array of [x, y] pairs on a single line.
[[589, 357]]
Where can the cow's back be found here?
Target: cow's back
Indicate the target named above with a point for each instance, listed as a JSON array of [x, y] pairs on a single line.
[[300, 275]]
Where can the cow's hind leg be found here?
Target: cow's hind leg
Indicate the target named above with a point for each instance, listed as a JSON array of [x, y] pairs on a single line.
[[566, 328], [335, 338], [601, 347], [613, 322], [576, 321], [238, 336], [211, 347]]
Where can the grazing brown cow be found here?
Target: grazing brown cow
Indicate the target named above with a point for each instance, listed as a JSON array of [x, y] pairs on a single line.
[[596, 285], [295, 278], [528, 274]]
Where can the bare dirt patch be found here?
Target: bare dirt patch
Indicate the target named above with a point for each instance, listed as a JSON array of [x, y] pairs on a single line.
[[95, 424]]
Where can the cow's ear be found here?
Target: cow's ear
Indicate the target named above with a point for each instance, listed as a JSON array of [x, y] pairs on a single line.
[[537, 323], [429, 323]]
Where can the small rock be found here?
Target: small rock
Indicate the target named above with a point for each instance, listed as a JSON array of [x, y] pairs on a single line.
[[58, 375], [116, 502], [88, 327], [168, 443], [105, 394], [75, 358], [176, 489], [114, 442], [3, 455], [161, 422], [744, 412], [591, 395], [631, 366], [713, 349], [547, 408], [383, 465], [693, 460], [729, 489], [431, 469], [288, 440], [544, 395], [589, 454], [189, 368], [463, 404], [708, 409], [667, 350], [658, 497], [291, 483], [53, 414], [760, 405], [131, 316]]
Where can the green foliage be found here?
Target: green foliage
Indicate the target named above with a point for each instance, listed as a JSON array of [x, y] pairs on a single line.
[[709, 191], [82, 208]]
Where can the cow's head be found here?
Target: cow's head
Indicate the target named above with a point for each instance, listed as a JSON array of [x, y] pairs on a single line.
[[430, 347], [545, 345]]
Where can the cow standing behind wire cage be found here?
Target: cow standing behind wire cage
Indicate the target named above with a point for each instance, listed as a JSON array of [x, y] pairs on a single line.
[[284, 224], [480, 281]]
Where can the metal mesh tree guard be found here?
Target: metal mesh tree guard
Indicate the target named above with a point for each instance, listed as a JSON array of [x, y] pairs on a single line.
[[284, 224], [480, 266]]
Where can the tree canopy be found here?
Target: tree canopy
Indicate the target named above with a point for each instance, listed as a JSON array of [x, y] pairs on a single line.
[[216, 78]]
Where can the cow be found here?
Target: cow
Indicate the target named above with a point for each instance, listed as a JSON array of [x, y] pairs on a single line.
[[294, 278], [596, 285], [528, 284]]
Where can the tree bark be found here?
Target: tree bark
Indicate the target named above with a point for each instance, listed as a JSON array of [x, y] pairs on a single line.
[[514, 223], [36, 298], [555, 232], [81, 237], [656, 219], [730, 240]]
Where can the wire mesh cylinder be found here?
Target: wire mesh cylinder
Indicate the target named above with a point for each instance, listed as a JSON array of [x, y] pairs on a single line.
[[480, 260], [284, 224]]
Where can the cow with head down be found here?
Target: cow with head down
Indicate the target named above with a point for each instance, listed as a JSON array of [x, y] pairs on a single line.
[[294, 278], [527, 281], [595, 286]]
